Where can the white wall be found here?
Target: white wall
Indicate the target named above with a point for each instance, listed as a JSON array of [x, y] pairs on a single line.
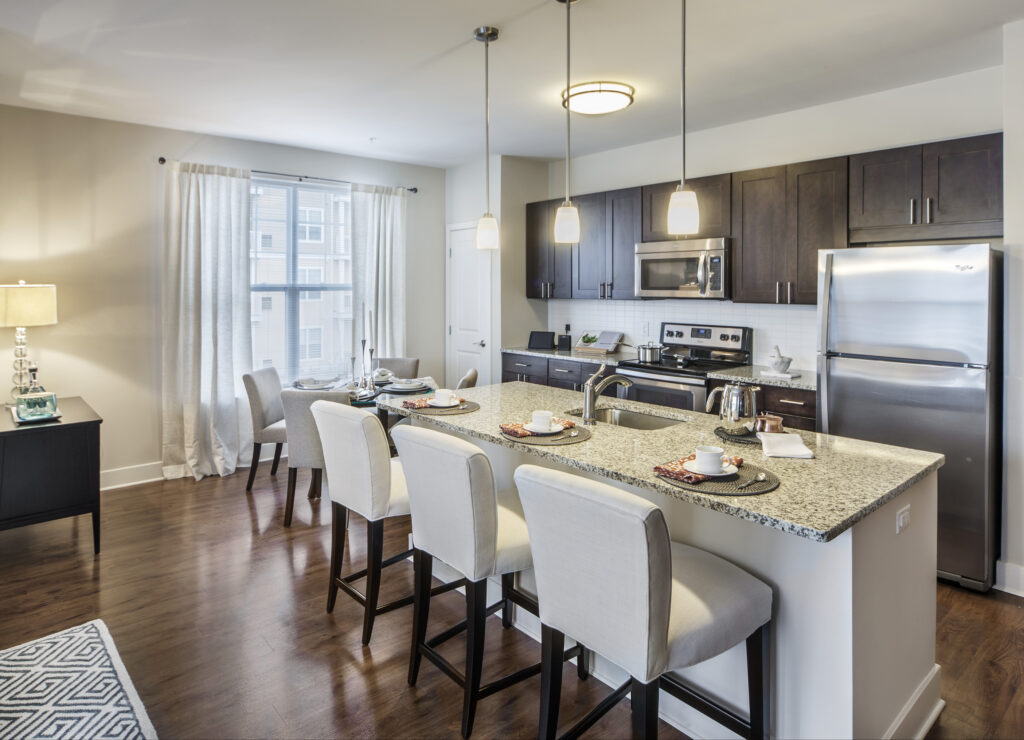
[[1010, 571], [940, 109], [81, 205]]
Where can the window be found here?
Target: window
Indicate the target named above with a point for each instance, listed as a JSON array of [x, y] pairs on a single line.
[[311, 224], [301, 278], [268, 363]]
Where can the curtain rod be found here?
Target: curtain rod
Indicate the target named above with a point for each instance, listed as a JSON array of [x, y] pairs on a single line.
[[301, 178]]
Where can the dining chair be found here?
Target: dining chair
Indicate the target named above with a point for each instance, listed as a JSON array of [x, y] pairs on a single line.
[[304, 449], [263, 387], [468, 380], [402, 367]]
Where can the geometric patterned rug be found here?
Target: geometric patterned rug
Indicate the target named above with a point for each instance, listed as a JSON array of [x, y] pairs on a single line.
[[70, 684]]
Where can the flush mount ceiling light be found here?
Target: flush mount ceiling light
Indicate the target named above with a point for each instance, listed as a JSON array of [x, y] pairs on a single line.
[[487, 233], [598, 98], [683, 213], [567, 217]]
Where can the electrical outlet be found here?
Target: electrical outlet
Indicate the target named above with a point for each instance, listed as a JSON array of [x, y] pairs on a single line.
[[645, 329], [902, 518]]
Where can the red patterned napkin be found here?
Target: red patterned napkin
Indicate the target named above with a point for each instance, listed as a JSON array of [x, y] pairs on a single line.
[[421, 403], [675, 470], [520, 430]]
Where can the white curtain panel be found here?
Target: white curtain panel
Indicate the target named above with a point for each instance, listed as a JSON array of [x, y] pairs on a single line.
[[378, 248], [207, 336]]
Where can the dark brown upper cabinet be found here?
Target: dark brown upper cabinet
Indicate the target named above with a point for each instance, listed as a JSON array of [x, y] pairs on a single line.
[[714, 199], [548, 265], [943, 190], [624, 215], [590, 255], [609, 230], [782, 216]]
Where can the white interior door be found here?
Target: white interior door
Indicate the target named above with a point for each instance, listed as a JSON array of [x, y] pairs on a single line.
[[469, 306]]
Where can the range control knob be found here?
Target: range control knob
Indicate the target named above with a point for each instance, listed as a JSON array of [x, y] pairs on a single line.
[[723, 337], [735, 337]]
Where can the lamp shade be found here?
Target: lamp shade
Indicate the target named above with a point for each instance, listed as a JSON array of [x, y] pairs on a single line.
[[28, 305], [683, 215], [567, 224], [487, 234]]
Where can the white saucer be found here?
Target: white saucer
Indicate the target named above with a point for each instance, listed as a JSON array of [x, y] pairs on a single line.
[[554, 429], [407, 386], [438, 405], [690, 466]]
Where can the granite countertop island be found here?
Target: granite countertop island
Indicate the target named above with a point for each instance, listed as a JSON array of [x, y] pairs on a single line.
[[807, 380], [818, 499]]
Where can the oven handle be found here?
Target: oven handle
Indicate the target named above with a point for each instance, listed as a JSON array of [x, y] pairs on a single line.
[[659, 380]]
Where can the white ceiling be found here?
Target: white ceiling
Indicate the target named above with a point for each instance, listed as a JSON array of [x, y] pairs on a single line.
[[403, 79]]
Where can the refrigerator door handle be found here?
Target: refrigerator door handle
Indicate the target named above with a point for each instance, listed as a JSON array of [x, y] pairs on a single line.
[[824, 301], [823, 393]]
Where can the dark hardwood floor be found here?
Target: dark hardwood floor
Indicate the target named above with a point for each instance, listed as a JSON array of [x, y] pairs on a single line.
[[218, 613]]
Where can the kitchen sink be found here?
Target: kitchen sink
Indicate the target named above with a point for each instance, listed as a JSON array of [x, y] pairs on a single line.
[[630, 419]]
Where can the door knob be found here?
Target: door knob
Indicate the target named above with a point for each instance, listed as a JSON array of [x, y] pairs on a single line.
[[482, 343]]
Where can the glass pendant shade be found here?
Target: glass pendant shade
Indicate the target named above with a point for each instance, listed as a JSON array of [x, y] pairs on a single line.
[[487, 234], [567, 224], [683, 215]]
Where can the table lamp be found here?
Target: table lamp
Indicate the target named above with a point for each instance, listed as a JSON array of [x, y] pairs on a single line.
[[21, 306]]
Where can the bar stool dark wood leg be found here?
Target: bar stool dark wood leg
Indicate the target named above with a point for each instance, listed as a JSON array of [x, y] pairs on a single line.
[[644, 700], [277, 457], [552, 645], [507, 585], [423, 566], [339, 522], [759, 682], [476, 619], [374, 560], [289, 503], [255, 463]]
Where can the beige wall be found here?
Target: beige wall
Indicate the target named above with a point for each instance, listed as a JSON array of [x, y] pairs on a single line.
[[81, 205]]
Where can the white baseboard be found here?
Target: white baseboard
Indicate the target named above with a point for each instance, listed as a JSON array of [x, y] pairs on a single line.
[[131, 475], [921, 710], [1010, 577]]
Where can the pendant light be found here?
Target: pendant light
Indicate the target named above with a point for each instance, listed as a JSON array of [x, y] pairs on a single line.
[[683, 214], [567, 217], [487, 233]]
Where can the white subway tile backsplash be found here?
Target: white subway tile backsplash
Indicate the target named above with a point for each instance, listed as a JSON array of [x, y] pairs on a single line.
[[790, 327]]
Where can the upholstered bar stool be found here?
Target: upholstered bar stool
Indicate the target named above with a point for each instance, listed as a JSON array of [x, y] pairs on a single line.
[[263, 387], [304, 448], [615, 581], [468, 380], [459, 518]]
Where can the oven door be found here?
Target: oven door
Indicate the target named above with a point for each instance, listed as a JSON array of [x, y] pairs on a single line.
[[679, 274], [684, 394]]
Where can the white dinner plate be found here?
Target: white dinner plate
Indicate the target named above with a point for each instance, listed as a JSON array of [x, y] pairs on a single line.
[[690, 466], [438, 405], [554, 429]]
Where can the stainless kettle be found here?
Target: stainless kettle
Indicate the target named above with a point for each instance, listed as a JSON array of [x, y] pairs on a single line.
[[739, 402]]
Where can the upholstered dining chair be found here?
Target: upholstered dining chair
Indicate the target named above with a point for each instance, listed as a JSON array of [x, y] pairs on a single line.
[[304, 449], [263, 387], [403, 367], [468, 380]]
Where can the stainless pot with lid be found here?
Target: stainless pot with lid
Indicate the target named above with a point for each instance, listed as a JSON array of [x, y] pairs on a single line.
[[649, 352]]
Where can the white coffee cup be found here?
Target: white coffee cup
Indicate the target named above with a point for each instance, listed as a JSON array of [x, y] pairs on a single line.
[[710, 459], [443, 395], [542, 419]]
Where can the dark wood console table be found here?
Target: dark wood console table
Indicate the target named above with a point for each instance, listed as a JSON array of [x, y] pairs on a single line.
[[51, 469]]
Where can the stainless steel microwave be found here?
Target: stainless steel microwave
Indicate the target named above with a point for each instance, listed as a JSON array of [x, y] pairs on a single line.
[[690, 268]]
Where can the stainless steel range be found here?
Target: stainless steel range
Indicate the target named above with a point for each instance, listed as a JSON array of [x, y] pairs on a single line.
[[691, 351]]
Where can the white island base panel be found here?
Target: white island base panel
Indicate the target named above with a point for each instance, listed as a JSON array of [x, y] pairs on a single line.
[[853, 648]]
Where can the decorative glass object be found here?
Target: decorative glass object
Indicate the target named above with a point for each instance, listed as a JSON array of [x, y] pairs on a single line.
[[37, 405]]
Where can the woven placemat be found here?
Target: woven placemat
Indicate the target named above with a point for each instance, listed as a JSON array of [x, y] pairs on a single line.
[[731, 435], [729, 485], [565, 437], [463, 408]]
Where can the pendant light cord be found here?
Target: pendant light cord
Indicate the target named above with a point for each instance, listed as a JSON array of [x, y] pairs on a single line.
[[568, 124], [682, 98], [487, 119]]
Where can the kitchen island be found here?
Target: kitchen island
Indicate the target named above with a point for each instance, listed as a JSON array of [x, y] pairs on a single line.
[[854, 609]]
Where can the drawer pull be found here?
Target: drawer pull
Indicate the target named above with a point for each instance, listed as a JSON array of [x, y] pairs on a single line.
[[559, 370], [522, 364], [792, 403]]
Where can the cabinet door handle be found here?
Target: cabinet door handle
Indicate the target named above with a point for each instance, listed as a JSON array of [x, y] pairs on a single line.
[[928, 210], [778, 288], [551, 289], [600, 290], [608, 290], [792, 403], [789, 292], [913, 203]]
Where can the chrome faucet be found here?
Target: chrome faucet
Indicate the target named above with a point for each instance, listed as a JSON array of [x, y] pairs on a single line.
[[592, 391]]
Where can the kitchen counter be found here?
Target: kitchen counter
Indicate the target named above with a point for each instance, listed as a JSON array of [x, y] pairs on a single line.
[[819, 499], [612, 360], [807, 380], [853, 592]]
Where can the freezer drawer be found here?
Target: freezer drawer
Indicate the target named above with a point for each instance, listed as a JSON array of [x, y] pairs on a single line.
[[936, 408]]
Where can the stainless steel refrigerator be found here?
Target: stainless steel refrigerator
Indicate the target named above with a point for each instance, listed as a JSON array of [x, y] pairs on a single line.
[[909, 354]]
